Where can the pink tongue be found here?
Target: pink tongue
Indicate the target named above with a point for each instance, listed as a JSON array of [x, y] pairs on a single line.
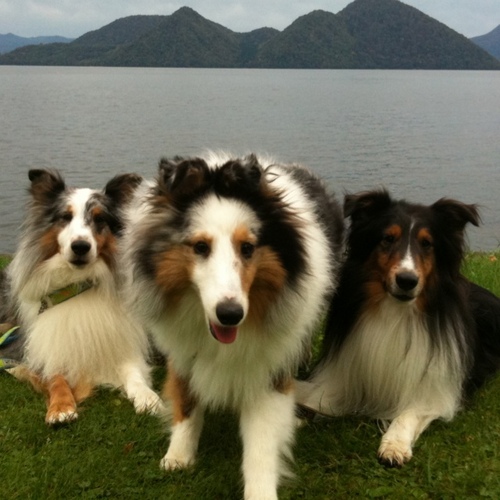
[[224, 334]]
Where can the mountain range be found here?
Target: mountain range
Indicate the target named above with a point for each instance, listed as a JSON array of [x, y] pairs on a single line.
[[10, 41], [489, 42], [386, 34]]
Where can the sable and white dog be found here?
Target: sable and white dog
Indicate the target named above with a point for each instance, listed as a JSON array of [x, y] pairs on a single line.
[[230, 262], [61, 287]]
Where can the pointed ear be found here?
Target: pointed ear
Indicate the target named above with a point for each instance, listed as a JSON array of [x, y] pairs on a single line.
[[366, 204], [457, 214], [121, 187], [179, 177], [46, 185]]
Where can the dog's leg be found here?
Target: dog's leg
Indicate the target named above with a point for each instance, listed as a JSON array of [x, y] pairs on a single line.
[[82, 390], [26, 375], [267, 427], [187, 423], [61, 404], [396, 444], [137, 388]]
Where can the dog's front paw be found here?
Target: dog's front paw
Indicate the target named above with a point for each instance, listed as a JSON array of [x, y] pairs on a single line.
[[171, 462], [148, 402], [59, 417], [394, 453]]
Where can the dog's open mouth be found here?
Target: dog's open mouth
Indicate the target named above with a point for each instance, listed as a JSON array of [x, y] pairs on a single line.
[[224, 334]]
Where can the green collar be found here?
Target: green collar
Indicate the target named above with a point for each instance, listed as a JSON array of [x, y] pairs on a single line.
[[5, 339], [62, 294]]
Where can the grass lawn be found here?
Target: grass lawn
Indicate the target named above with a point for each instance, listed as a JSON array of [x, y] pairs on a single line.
[[110, 452]]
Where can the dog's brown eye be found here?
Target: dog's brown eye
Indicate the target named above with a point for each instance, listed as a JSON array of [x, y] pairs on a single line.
[[247, 249], [99, 220], [201, 248], [426, 244], [67, 216], [388, 239]]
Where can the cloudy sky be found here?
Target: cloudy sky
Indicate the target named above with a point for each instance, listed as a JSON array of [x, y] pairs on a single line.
[[73, 18]]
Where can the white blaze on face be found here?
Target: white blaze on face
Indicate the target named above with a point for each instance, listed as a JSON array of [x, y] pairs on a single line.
[[76, 239], [408, 262], [218, 274], [406, 280]]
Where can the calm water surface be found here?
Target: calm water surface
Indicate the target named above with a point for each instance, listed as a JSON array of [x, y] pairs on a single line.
[[422, 134]]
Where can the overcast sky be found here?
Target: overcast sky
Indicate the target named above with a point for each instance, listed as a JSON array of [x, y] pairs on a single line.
[[72, 18]]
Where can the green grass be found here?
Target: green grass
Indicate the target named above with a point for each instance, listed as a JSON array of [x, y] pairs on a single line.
[[4, 260], [110, 452]]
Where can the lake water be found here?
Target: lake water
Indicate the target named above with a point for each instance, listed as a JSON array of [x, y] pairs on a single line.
[[422, 134]]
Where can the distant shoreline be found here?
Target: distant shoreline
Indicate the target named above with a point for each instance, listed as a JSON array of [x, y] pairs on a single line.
[[402, 38]]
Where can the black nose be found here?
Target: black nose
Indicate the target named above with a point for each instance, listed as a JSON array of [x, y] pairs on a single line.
[[80, 247], [229, 312], [406, 280]]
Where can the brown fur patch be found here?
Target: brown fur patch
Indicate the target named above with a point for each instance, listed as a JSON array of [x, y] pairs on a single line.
[[375, 290], [242, 235], [424, 234], [24, 374], [177, 390], [60, 396], [284, 384], [106, 247], [49, 245], [266, 278], [388, 255], [96, 212], [395, 230], [105, 240], [248, 265], [61, 399], [173, 272], [82, 390], [382, 264], [381, 267], [426, 264]]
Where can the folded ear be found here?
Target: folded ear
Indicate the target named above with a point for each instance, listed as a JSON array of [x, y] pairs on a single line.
[[166, 172], [240, 175], [366, 204], [121, 187], [46, 185], [456, 214], [180, 177]]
